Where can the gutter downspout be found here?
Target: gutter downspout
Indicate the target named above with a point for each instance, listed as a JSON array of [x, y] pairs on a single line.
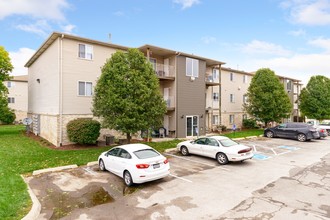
[[220, 95], [61, 88]]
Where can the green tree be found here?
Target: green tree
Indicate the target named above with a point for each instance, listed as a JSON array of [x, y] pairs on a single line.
[[127, 95], [5, 68], [267, 99], [315, 98]]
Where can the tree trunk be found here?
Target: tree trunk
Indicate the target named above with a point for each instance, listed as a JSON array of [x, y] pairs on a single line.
[[128, 136]]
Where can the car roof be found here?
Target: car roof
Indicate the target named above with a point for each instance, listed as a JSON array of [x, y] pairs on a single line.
[[220, 138], [134, 147]]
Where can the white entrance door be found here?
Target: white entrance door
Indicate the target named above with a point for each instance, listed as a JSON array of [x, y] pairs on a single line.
[[167, 67], [192, 127]]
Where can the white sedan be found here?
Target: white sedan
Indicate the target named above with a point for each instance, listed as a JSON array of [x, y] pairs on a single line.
[[221, 148], [136, 163]]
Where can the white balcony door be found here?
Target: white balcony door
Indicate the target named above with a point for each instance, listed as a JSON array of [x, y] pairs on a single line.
[[167, 96], [192, 127], [167, 67], [166, 124]]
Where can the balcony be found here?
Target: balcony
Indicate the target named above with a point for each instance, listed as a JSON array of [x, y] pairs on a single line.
[[170, 103], [165, 72], [210, 81]]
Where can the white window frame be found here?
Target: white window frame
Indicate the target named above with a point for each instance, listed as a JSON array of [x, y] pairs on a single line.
[[232, 98], [10, 84], [231, 119], [288, 82], [231, 77], [86, 89], [215, 74], [88, 53], [245, 78], [11, 100], [153, 62], [193, 65], [215, 119]]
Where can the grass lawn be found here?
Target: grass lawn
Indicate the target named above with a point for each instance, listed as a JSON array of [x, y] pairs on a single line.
[[244, 133], [22, 155]]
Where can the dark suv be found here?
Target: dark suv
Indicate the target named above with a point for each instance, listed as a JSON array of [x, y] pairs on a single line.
[[299, 131]]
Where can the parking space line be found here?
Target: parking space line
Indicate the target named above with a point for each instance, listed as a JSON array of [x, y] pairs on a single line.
[[273, 151], [181, 178], [88, 170], [195, 161]]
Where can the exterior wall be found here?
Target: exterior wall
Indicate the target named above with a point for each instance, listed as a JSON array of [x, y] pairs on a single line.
[[44, 96], [18, 90], [77, 69], [190, 97]]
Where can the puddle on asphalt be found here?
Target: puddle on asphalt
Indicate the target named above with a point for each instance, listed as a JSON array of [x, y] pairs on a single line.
[[64, 203]]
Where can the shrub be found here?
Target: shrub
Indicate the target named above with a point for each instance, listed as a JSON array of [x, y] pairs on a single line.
[[8, 116], [250, 123], [83, 130], [222, 127]]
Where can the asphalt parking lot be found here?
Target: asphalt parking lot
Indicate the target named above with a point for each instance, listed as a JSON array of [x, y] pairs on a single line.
[[286, 178]]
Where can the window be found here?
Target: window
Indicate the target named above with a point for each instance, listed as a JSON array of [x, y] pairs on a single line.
[[232, 98], [85, 88], [216, 96], [215, 119], [288, 85], [245, 78], [231, 119], [215, 74], [231, 76], [113, 152], [192, 67], [124, 154], [11, 100], [153, 62], [10, 84], [86, 51], [245, 99]]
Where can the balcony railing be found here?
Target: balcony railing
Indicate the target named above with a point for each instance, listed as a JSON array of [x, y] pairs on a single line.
[[210, 81], [170, 101], [165, 70]]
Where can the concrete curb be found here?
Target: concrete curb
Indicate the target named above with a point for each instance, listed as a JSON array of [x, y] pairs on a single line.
[[169, 150], [36, 172], [92, 163], [36, 206]]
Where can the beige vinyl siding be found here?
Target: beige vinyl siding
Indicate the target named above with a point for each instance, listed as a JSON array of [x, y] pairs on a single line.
[[190, 96], [44, 96], [77, 69], [19, 92]]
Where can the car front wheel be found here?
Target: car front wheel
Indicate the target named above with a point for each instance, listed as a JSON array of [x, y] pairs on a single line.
[[128, 178], [301, 137], [184, 151], [269, 134], [101, 165], [222, 158]]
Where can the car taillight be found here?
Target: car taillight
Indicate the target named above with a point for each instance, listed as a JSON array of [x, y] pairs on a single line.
[[244, 151], [165, 161], [322, 131], [142, 166]]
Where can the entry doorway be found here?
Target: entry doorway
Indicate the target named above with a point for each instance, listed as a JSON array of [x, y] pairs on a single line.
[[192, 126]]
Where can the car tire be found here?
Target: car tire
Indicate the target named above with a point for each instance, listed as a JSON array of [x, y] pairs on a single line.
[[222, 158], [269, 134], [101, 165], [328, 132], [184, 151], [128, 178], [301, 137]]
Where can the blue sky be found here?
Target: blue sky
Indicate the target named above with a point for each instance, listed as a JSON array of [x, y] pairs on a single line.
[[292, 37]]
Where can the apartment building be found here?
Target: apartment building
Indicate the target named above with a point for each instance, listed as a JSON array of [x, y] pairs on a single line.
[[18, 96], [229, 97], [65, 69]]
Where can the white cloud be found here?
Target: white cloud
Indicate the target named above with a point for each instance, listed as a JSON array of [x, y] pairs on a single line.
[[208, 40], [264, 48], [186, 3], [50, 9], [297, 33], [322, 43], [19, 59], [119, 13], [308, 12], [68, 29], [40, 27]]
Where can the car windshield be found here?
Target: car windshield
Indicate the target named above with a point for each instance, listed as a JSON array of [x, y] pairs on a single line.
[[146, 153], [228, 143]]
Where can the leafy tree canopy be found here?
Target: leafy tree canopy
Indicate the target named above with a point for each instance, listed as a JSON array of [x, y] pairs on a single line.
[[315, 98], [267, 99], [127, 95]]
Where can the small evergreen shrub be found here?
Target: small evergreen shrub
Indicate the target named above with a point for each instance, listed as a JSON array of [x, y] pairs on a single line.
[[8, 116], [250, 123], [83, 130]]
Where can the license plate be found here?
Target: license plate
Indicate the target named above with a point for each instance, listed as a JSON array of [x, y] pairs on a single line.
[[155, 166]]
